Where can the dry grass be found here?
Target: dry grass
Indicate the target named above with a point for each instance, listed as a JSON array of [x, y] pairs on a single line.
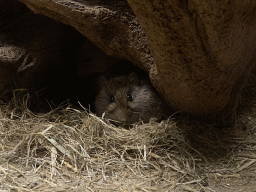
[[69, 149]]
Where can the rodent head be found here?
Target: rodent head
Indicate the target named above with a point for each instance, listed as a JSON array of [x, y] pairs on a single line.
[[124, 99]]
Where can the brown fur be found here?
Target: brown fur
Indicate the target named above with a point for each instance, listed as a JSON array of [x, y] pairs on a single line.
[[144, 102]]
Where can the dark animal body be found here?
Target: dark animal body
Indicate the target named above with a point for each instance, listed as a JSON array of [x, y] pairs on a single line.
[[128, 99]]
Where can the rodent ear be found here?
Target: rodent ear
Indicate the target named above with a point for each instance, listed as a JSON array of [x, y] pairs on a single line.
[[102, 81]]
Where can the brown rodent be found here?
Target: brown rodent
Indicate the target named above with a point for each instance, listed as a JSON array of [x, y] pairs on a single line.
[[128, 99]]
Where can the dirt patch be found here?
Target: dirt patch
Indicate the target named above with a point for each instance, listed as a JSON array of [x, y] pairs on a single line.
[[71, 149]]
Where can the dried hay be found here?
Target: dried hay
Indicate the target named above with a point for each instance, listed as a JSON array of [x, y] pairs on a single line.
[[69, 149]]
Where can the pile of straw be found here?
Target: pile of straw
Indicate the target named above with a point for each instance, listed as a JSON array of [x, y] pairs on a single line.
[[71, 149]]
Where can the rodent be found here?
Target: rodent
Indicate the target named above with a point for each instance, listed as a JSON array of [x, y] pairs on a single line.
[[128, 99]]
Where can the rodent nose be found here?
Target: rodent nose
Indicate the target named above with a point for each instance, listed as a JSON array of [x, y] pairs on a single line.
[[121, 115]]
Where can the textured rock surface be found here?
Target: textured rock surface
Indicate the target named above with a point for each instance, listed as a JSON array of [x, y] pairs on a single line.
[[110, 25], [38, 52], [33, 49], [202, 50]]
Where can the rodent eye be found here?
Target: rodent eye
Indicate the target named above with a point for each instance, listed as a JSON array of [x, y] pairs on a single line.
[[129, 97], [112, 99]]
